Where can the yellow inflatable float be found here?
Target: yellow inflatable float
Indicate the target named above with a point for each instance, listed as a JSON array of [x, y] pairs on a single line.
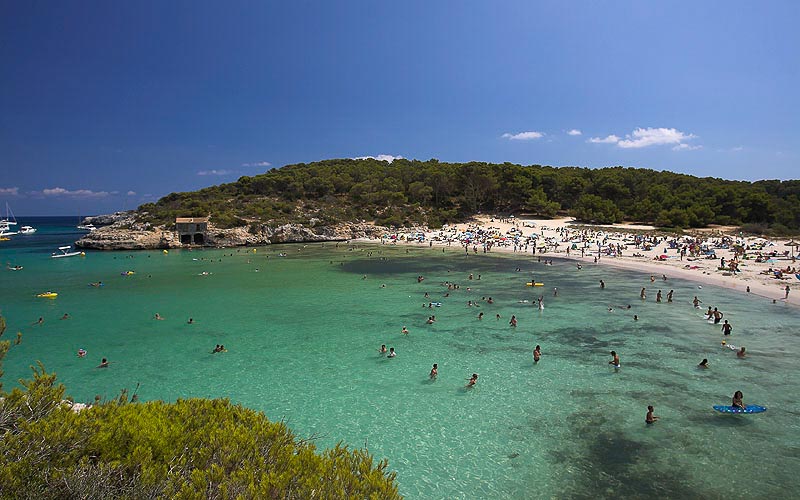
[[534, 284], [47, 295]]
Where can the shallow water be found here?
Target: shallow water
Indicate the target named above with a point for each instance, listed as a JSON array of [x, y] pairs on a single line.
[[302, 335]]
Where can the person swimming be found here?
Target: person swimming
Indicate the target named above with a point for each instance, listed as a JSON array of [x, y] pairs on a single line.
[[513, 321], [472, 381], [614, 361], [158, 316], [81, 353], [703, 364], [404, 331], [382, 350], [191, 321], [391, 353], [696, 302], [480, 315], [740, 353], [103, 364], [434, 371]]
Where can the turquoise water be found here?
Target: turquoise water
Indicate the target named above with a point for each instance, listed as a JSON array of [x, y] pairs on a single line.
[[302, 335]]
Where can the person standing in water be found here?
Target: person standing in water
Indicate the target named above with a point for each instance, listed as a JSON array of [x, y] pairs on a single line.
[[703, 364], [615, 360], [537, 353], [726, 328], [717, 316], [696, 302], [642, 295], [669, 295], [602, 284], [434, 371], [658, 296], [513, 321], [650, 418]]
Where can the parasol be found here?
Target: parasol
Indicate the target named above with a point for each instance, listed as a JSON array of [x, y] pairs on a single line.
[[792, 244]]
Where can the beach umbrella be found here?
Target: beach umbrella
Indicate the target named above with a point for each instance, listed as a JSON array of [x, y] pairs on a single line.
[[792, 244]]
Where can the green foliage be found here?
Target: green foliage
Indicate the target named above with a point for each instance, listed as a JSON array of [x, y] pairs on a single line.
[[195, 448], [431, 192]]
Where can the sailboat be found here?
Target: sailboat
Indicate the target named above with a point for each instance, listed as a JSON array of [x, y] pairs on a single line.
[[65, 252], [5, 224]]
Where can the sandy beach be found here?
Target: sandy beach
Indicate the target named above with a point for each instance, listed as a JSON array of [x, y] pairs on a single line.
[[654, 255]]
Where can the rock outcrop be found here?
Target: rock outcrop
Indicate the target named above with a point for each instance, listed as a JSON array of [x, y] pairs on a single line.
[[125, 234]]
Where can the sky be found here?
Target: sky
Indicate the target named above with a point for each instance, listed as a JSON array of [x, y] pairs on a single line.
[[107, 105]]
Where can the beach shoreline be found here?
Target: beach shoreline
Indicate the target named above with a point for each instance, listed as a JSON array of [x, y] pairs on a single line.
[[703, 271]]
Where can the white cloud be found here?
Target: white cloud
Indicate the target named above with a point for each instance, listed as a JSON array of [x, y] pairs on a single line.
[[387, 158], [221, 171], [523, 136], [611, 139], [131, 193], [257, 164], [646, 137], [686, 147], [9, 191], [77, 193], [574, 132]]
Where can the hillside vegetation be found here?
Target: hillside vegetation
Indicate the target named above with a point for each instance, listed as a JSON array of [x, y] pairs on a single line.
[[407, 192]]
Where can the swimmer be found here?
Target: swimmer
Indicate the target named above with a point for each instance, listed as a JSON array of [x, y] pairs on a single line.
[[669, 295], [658, 296], [434, 371], [40, 321], [480, 315], [490, 300], [650, 418], [81, 353], [602, 284], [65, 316], [404, 331], [391, 353], [472, 381], [740, 353], [382, 350], [696, 302], [703, 364], [614, 361], [431, 320], [737, 400], [537, 353], [642, 295], [158, 316], [635, 317], [497, 317], [513, 321], [717, 316], [103, 364], [652, 278], [555, 292], [190, 322]]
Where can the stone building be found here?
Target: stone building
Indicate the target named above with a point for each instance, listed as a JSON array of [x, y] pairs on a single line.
[[192, 230]]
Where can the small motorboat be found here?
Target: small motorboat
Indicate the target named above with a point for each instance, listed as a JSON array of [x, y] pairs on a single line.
[[66, 253], [27, 230]]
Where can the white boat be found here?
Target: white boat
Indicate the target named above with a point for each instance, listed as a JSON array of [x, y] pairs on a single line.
[[65, 252], [86, 227], [5, 224], [27, 230]]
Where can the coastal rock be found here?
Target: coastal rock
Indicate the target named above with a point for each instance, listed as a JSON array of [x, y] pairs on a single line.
[[126, 234], [109, 219]]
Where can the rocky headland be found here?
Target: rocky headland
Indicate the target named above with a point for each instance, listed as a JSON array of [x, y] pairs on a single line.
[[121, 231]]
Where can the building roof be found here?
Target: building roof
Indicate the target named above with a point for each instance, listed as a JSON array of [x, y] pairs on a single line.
[[190, 220]]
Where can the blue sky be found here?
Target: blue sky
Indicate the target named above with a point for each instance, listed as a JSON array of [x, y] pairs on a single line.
[[105, 105]]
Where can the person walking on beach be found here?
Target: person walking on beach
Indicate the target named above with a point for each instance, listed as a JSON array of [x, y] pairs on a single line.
[[726, 328], [787, 292]]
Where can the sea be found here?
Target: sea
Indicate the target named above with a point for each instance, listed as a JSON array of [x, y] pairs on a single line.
[[302, 325]]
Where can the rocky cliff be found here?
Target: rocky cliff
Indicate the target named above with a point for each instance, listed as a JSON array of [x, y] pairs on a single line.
[[126, 234]]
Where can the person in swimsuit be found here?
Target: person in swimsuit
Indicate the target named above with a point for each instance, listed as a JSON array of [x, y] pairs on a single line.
[[709, 313], [391, 353], [434, 371], [382, 350], [650, 418], [103, 363], [472, 381], [669, 295], [696, 302], [513, 321], [190, 322], [703, 364], [404, 331], [602, 284], [737, 400], [158, 316], [480, 315], [65, 316], [642, 294], [537, 353], [717, 316], [614, 361], [740, 353], [658, 296], [726, 328], [81, 353]]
